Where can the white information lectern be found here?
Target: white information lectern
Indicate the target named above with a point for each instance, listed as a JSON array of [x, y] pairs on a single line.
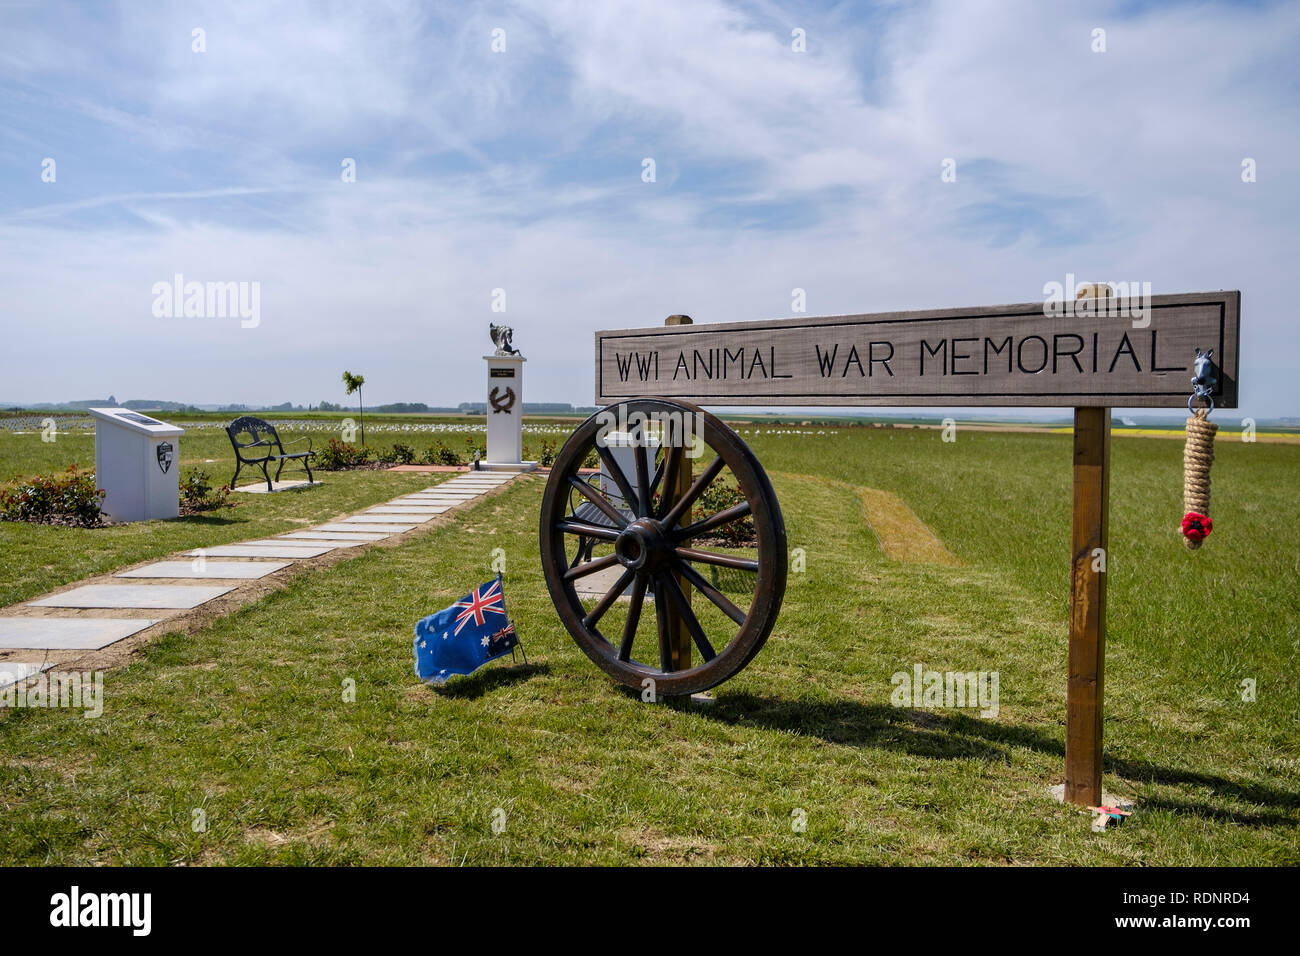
[[137, 464]]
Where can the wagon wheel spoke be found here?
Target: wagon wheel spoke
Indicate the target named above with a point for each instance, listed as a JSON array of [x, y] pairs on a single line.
[[574, 501], [664, 629], [588, 530], [721, 560], [658, 475], [672, 463], [683, 504], [591, 567], [720, 600], [688, 616], [633, 617], [600, 501], [726, 516], [642, 479], [615, 472], [593, 617]]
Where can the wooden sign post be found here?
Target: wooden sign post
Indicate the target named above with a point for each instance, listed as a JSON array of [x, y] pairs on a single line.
[[1088, 354], [1089, 546], [682, 643]]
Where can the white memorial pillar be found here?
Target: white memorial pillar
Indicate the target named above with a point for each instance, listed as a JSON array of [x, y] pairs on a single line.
[[505, 414]]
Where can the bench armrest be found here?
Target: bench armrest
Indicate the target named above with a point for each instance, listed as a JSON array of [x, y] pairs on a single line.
[[306, 438]]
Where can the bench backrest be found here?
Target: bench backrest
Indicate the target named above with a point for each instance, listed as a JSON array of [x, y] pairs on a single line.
[[258, 432]]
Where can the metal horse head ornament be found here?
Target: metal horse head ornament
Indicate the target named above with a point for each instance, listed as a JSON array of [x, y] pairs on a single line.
[[1203, 379], [501, 338]]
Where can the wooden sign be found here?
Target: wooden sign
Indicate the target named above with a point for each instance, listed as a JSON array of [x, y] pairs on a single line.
[[1128, 352], [1089, 353]]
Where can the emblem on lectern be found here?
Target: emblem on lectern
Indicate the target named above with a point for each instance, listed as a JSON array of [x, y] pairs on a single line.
[[166, 454]]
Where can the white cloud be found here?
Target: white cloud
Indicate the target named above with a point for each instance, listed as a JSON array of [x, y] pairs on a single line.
[[480, 171]]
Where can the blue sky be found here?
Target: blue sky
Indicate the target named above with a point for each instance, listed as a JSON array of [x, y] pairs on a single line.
[[521, 170]]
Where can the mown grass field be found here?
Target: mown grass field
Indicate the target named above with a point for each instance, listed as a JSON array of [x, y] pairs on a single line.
[[246, 719]]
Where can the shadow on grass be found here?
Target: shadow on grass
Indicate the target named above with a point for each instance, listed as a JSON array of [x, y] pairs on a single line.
[[1255, 793], [1183, 808], [854, 724], [202, 520], [954, 736], [488, 679]]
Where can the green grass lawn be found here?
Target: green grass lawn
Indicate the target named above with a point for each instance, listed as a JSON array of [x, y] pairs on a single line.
[[247, 720]]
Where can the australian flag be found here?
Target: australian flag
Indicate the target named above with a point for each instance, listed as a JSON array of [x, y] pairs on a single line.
[[465, 636]]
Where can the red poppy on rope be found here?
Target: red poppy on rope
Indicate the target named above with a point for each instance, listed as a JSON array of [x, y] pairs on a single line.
[[1197, 526]]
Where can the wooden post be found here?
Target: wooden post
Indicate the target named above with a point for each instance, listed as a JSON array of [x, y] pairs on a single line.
[[681, 641], [681, 637], [1089, 540]]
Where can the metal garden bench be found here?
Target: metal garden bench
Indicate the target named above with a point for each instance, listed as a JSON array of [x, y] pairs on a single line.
[[263, 436], [584, 510]]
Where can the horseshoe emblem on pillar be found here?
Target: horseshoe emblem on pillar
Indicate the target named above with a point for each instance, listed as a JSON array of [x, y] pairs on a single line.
[[502, 403]]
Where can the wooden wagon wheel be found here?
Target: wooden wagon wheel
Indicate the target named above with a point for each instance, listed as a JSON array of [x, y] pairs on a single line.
[[644, 528]]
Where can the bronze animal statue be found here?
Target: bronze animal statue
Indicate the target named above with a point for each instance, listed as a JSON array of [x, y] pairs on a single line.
[[501, 336]]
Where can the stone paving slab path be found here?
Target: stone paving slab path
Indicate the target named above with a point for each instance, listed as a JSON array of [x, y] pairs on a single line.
[[258, 550], [286, 550], [260, 487], [164, 596], [371, 519], [81, 619], [278, 543], [445, 505], [11, 672], [68, 633], [367, 528], [360, 536], [248, 570], [298, 542], [596, 585], [407, 510]]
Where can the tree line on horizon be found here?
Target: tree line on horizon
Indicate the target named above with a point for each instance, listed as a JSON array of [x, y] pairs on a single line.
[[392, 408]]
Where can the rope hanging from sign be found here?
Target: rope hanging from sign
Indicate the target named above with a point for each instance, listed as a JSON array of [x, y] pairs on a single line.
[[1198, 455]]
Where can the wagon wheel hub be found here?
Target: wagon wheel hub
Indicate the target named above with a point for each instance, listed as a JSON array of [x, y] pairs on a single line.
[[643, 546]]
